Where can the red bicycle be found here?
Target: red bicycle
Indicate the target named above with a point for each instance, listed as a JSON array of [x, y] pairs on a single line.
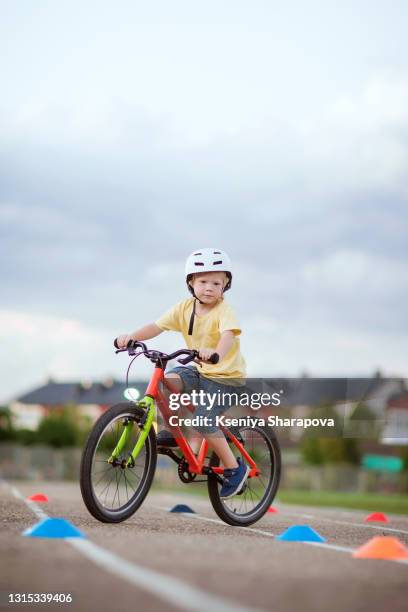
[[119, 459]]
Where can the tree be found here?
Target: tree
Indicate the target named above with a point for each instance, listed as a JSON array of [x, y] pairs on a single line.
[[59, 429], [322, 444], [362, 423], [7, 431]]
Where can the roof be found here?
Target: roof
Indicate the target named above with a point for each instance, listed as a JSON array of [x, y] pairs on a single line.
[[315, 391], [296, 391], [58, 394], [399, 400]]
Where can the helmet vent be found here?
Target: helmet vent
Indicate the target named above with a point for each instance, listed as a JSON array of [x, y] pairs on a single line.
[[217, 252], [217, 262], [197, 254], [198, 263]]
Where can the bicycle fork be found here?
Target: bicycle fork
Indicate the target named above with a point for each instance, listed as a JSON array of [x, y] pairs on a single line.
[[147, 403]]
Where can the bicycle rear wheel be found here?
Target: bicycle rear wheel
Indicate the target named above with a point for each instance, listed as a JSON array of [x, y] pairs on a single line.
[[113, 492], [249, 506]]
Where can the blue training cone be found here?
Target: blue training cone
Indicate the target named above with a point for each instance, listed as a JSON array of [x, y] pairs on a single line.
[[53, 528], [182, 508], [300, 533]]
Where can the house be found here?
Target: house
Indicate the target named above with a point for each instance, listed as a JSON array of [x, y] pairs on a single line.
[[92, 398], [396, 429], [301, 396]]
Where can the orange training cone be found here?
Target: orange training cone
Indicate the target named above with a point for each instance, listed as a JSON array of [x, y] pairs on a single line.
[[377, 517], [272, 509], [382, 547], [38, 497]]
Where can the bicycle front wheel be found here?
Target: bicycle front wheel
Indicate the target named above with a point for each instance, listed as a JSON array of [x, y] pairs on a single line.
[[251, 504], [113, 491]]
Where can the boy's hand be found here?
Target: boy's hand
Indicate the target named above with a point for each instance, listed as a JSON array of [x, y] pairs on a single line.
[[205, 353], [123, 340]]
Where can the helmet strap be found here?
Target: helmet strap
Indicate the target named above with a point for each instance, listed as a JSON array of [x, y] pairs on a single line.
[[191, 325]]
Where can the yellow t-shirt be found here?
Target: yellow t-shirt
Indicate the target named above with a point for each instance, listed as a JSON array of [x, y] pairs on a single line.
[[207, 332]]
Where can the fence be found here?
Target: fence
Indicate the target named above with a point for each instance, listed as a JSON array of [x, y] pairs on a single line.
[[46, 463]]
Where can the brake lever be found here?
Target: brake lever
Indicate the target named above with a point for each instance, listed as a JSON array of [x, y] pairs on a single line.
[[213, 359], [186, 360]]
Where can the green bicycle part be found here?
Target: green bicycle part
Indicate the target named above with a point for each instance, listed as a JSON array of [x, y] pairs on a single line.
[[121, 442], [146, 403], [149, 401]]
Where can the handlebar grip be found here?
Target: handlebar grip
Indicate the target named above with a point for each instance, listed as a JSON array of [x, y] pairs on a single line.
[[214, 358], [128, 346]]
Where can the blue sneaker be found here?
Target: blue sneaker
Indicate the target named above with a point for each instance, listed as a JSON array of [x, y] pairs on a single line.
[[234, 479]]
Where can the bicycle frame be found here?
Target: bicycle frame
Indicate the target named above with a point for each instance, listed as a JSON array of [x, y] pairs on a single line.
[[195, 462]]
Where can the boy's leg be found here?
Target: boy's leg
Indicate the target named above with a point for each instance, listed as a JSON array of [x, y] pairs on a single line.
[[164, 437], [219, 444], [214, 436], [181, 378], [175, 381], [236, 471]]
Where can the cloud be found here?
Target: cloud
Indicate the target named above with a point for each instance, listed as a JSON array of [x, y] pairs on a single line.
[[38, 346], [292, 159]]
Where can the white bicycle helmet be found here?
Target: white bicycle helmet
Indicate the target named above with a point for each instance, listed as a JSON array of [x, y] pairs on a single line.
[[208, 260]]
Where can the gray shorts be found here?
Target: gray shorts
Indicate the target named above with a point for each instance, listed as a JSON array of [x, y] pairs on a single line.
[[193, 380]]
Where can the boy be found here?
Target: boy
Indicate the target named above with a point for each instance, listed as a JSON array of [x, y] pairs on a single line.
[[206, 321]]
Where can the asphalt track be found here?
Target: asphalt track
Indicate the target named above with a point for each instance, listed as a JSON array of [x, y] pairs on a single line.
[[157, 560]]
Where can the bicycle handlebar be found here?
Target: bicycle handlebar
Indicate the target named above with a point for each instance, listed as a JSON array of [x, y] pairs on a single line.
[[191, 354]]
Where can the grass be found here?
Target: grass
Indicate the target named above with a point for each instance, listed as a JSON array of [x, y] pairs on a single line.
[[372, 502], [397, 504]]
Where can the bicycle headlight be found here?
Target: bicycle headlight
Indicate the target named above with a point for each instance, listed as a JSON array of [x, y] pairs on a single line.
[[131, 394]]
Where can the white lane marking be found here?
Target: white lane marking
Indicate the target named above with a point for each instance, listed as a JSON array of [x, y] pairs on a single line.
[[270, 534], [169, 589], [172, 590], [32, 505], [314, 517]]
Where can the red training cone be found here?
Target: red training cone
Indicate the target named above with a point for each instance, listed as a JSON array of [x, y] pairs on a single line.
[[38, 497], [376, 517], [382, 547], [271, 509]]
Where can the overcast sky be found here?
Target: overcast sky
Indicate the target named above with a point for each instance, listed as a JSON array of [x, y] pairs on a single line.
[[132, 133]]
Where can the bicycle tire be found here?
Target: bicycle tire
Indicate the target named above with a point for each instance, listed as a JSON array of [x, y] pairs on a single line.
[[214, 487], [93, 504]]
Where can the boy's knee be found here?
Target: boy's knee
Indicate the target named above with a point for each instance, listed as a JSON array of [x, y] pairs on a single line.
[[175, 381]]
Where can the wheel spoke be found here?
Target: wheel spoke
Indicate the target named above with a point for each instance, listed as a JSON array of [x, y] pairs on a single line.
[[101, 478], [262, 481], [109, 484], [114, 497], [129, 483], [127, 495]]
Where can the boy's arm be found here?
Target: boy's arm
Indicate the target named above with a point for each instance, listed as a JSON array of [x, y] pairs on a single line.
[[225, 343], [144, 333], [222, 348], [147, 332]]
